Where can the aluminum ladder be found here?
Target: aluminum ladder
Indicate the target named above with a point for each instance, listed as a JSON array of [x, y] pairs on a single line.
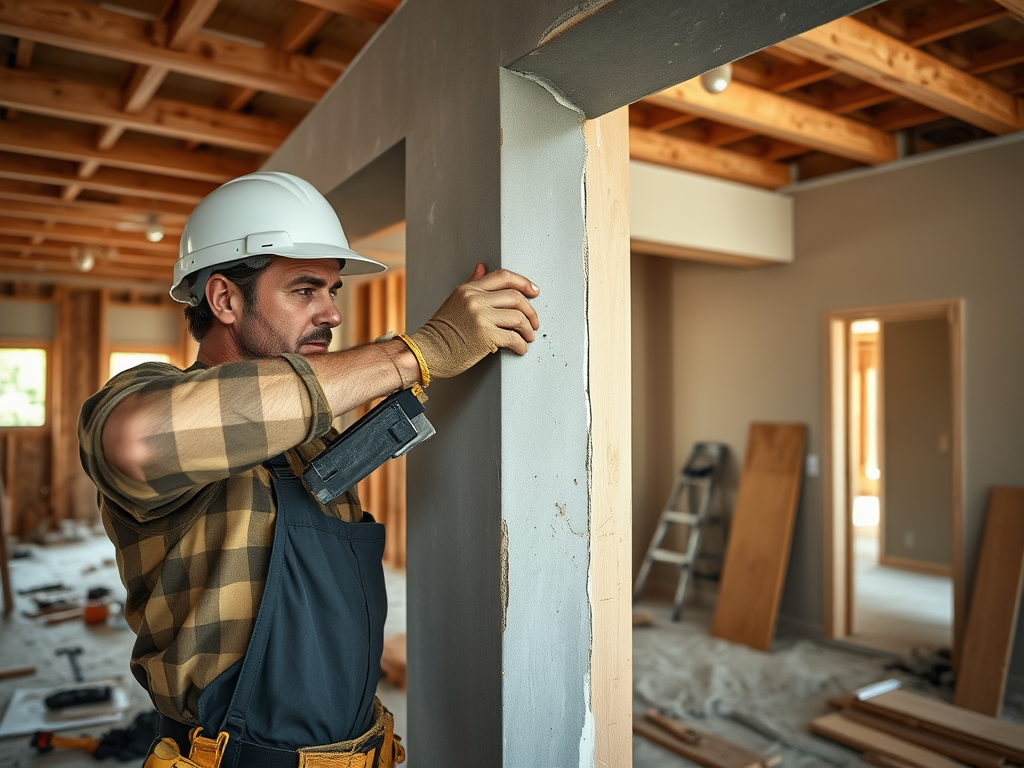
[[687, 505]]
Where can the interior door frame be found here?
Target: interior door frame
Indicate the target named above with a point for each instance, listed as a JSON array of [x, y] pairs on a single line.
[[838, 566]]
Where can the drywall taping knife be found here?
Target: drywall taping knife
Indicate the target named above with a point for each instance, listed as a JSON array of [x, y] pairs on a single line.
[[391, 428]]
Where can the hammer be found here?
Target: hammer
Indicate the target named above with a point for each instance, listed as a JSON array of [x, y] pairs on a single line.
[[72, 654]]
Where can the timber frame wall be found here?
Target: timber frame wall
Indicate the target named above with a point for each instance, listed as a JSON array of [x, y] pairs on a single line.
[[41, 467]]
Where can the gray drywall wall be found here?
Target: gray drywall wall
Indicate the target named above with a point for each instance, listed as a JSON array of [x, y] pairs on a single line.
[[749, 344], [545, 494], [917, 472], [144, 326]]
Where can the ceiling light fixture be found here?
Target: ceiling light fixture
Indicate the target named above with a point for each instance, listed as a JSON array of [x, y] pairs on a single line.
[[154, 230], [716, 80], [84, 257]]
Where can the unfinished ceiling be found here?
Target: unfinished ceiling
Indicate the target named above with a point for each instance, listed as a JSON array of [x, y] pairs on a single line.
[[117, 117]]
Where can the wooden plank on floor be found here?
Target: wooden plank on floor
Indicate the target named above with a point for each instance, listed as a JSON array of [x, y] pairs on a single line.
[[757, 552], [963, 724], [838, 728], [703, 748], [992, 617], [937, 742]]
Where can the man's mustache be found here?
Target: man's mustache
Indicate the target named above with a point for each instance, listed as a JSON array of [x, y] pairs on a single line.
[[320, 335]]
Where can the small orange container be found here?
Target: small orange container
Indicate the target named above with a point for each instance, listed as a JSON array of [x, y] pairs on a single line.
[[96, 611]]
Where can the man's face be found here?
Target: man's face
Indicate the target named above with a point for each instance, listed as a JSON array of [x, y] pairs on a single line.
[[294, 309]]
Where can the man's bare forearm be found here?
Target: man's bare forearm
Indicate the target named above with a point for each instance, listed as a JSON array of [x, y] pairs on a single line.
[[354, 376]]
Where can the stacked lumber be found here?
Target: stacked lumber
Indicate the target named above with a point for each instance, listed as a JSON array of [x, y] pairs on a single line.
[[896, 728]]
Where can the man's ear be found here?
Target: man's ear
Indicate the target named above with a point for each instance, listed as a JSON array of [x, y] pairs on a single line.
[[224, 298]]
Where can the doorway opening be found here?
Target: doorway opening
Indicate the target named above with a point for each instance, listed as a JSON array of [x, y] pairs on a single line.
[[894, 573]]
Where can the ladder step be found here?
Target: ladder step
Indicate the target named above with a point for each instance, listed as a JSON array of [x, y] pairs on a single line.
[[688, 518], [669, 556]]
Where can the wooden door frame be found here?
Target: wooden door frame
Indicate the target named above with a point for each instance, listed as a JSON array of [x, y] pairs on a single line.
[[838, 565]]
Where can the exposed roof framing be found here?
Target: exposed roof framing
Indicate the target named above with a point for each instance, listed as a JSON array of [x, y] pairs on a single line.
[[115, 111]]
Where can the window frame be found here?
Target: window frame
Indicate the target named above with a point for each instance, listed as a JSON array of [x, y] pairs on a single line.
[[47, 347]]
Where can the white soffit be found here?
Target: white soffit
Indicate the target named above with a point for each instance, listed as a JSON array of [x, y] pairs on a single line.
[[681, 214]]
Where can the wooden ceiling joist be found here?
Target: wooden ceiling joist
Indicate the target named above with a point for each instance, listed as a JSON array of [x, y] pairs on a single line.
[[72, 100], [864, 52], [84, 217], [1016, 7], [121, 207], [70, 233], [112, 180], [89, 28], [104, 270], [956, 17], [15, 244], [700, 158], [373, 11], [132, 153], [743, 106]]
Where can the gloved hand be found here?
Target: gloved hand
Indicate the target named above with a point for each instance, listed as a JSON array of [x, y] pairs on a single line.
[[488, 313]]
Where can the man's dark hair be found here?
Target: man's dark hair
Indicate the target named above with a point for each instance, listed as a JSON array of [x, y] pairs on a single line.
[[245, 276]]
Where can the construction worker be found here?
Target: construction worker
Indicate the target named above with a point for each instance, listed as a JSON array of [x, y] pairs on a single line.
[[259, 611]]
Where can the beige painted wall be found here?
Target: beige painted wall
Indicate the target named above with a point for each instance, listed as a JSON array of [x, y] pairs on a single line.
[[917, 471], [742, 345]]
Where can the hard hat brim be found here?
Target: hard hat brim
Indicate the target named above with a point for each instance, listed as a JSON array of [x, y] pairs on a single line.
[[225, 254]]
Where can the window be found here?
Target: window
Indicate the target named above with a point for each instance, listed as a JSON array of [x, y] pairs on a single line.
[[22, 387], [122, 361]]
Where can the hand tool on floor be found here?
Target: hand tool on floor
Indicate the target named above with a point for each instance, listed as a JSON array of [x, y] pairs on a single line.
[[72, 654]]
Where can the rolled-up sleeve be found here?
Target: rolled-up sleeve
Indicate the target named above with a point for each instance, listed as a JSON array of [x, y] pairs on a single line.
[[203, 425]]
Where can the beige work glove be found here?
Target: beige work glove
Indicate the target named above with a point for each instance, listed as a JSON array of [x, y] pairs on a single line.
[[490, 312]]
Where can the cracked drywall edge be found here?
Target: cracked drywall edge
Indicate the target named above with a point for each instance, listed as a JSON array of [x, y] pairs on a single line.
[[548, 86], [570, 19], [504, 574]]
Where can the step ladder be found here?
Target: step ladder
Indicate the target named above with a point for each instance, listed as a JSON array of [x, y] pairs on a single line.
[[687, 505]]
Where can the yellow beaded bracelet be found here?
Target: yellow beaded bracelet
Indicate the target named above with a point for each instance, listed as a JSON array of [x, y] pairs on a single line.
[[424, 371]]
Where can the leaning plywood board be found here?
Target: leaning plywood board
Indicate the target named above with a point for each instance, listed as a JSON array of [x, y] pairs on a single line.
[[936, 742], [838, 728], [930, 714], [759, 537], [988, 640]]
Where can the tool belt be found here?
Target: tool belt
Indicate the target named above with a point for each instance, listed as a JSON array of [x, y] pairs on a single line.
[[377, 748]]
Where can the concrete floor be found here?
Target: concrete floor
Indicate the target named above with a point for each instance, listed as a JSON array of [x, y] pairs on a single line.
[[762, 701]]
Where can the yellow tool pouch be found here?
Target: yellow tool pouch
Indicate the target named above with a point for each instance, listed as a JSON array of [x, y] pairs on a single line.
[[205, 753], [377, 748]]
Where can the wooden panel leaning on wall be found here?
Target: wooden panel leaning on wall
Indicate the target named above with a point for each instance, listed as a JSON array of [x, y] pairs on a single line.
[[379, 307], [759, 538]]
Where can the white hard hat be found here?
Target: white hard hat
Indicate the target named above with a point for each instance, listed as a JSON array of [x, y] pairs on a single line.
[[259, 215]]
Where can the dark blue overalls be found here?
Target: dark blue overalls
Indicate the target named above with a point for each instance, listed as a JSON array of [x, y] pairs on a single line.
[[310, 673]]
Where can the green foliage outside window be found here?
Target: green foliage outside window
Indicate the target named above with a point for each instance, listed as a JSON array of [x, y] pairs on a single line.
[[22, 387]]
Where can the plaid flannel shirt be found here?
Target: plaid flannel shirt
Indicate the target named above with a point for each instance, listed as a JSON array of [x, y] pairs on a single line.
[[193, 540]]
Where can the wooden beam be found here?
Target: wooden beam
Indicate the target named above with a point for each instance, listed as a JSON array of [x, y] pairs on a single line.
[[122, 206], [952, 19], [373, 11], [15, 244], [71, 233], [23, 56], [300, 27], [134, 153], [766, 113], [72, 100], [103, 271], [187, 20], [1016, 7], [82, 26], [866, 53], [145, 82], [85, 217], [113, 180], [998, 57], [700, 158]]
